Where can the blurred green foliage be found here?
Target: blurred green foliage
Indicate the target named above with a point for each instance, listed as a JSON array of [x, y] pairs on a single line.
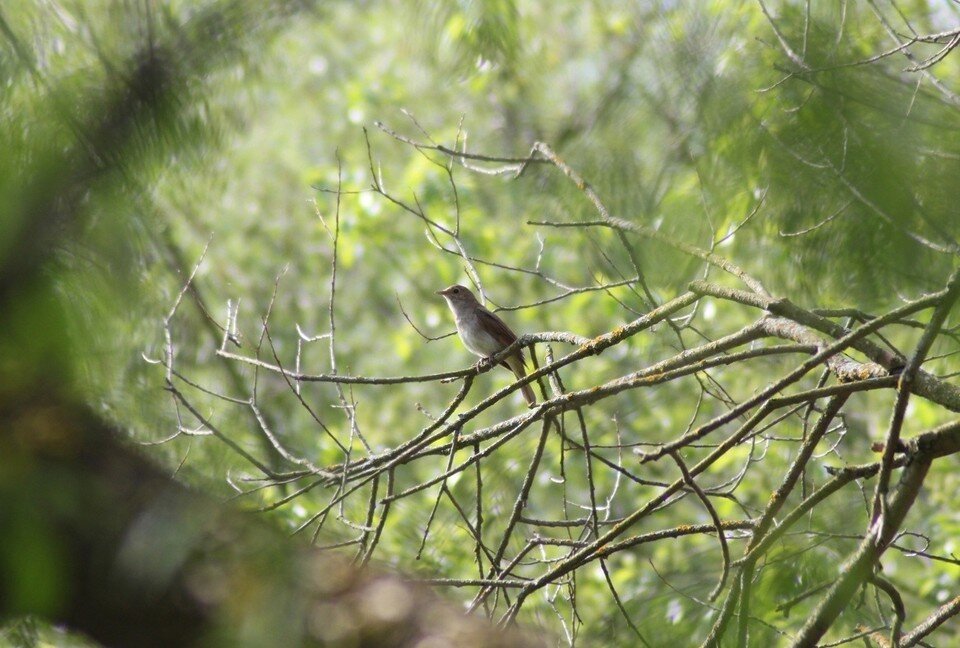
[[688, 117]]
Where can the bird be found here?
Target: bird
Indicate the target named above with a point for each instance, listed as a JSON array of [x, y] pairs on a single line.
[[484, 334]]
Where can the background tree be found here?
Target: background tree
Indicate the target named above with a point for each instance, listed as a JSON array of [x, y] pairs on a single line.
[[740, 219]]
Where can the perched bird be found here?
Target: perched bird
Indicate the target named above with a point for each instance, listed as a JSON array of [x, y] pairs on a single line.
[[484, 334]]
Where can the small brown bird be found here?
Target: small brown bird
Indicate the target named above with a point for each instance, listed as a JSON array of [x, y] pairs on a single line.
[[484, 334]]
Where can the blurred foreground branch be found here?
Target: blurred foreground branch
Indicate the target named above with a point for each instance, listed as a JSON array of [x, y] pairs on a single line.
[[140, 560]]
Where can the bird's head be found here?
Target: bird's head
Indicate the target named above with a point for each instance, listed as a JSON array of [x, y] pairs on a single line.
[[458, 294]]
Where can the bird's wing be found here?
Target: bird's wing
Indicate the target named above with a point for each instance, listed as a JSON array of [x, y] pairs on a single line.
[[496, 327], [500, 332]]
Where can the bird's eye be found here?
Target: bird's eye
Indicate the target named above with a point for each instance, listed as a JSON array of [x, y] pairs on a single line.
[[456, 290]]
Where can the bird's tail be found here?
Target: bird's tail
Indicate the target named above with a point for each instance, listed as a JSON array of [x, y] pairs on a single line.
[[528, 395], [515, 364]]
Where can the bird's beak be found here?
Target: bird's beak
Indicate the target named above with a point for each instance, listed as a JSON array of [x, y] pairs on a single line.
[[441, 292]]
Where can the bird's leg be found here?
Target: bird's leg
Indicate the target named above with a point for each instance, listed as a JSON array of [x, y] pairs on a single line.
[[483, 363]]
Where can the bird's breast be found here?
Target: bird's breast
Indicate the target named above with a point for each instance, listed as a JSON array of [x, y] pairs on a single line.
[[475, 338]]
